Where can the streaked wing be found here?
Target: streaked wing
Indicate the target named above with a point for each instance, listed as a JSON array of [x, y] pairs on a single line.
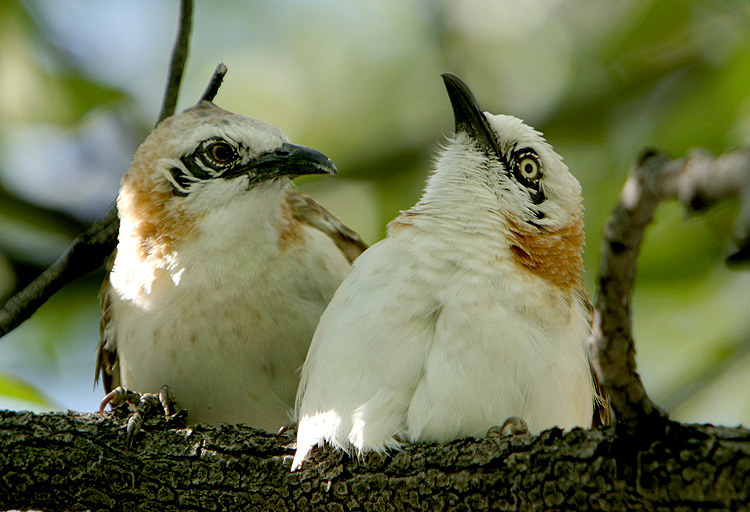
[[602, 412], [305, 209], [107, 364]]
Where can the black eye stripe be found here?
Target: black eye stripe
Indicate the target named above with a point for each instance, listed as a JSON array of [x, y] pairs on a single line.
[[538, 197], [198, 168], [203, 164], [181, 181]]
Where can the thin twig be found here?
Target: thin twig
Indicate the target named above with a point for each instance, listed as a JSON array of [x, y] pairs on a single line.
[[697, 181], [213, 86], [179, 58], [90, 249]]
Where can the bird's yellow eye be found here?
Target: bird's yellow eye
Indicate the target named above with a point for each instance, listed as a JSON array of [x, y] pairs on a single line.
[[221, 153], [529, 168]]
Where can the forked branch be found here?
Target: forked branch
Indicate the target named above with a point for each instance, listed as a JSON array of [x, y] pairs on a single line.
[[697, 181]]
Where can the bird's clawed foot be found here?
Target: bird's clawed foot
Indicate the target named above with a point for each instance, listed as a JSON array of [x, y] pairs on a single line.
[[146, 405], [513, 426], [290, 429]]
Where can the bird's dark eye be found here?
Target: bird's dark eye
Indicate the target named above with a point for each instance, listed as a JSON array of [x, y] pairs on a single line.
[[220, 153], [529, 168]]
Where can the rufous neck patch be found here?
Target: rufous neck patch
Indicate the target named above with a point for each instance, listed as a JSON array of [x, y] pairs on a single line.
[[291, 231], [155, 228], [556, 256]]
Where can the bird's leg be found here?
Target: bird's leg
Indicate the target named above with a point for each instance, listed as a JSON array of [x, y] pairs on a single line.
[[146, 405], [513, 426]]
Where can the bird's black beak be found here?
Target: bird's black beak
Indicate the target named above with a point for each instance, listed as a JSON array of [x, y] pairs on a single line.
[[469, 117], [287, 160]]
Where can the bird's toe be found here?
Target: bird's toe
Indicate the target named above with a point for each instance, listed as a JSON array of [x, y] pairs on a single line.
[[147, 405], [289, 429], [513, 426]]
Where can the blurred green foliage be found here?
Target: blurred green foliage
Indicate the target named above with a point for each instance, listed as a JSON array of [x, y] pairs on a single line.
[[360, 81], [19, 390]]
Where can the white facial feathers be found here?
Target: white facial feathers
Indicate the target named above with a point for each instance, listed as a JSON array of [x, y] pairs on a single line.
[[561, 189], [497, 181], [206, 121]]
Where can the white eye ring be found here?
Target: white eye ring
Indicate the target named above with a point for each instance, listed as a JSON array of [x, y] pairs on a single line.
[[529, 168]]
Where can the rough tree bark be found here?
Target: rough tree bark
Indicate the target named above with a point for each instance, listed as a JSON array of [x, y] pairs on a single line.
[[72, 461]]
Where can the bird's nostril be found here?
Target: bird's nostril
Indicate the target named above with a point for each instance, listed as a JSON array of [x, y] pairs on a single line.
[[282, 152]]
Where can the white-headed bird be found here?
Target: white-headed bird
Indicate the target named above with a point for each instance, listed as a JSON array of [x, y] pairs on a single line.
[[222, 268], [471, 311]]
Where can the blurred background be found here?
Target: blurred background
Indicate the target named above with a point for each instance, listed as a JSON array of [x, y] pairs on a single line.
[[81, 83]]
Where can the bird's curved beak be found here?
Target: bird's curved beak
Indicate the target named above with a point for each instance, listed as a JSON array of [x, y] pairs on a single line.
[[469, 117], [287, 160]]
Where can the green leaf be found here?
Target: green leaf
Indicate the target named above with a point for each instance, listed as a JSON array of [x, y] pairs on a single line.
[[15, 388]]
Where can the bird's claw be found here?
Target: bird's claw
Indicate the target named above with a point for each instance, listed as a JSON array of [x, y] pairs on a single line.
[[117, 397], [513, 426], [167, 401], [290, 429], [146, 405]]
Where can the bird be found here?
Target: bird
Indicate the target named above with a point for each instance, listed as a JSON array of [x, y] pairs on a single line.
[[472, 311], [222, 268]]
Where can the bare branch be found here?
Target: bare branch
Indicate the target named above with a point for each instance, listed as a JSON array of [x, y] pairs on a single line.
[[62, 221], [697, 181], [213, 86], [90, 249], [179, 58], [87, 254]]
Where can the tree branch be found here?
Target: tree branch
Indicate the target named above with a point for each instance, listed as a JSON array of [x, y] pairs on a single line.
[[63, 222], [72, 461], [90, 249], [213, 86], [179, 59], [697, 181], [88, 252]]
